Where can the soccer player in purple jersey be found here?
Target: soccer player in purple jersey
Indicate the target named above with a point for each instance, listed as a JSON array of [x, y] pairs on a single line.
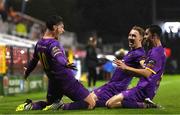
[[61, 80], [120, 80], [150, 76]]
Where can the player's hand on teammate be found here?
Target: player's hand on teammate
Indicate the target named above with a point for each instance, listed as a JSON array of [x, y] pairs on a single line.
[[120, 64], [71, 66]]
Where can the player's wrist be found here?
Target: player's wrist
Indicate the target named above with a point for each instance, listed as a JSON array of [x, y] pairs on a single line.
[[127, 68]]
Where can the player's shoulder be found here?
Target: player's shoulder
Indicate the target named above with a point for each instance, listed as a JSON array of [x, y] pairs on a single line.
[[139, 52], [54, 43], [158, 50]]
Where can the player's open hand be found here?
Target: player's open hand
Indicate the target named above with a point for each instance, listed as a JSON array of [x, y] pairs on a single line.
[[120, 64]]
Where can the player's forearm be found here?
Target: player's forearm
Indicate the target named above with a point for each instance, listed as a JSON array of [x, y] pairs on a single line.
[[141, 72], [32, 64]]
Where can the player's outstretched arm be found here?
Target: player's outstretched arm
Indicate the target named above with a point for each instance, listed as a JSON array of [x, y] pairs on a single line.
[[141, 72]]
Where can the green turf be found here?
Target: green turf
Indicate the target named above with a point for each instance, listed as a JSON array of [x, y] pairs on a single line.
[[168, 96]]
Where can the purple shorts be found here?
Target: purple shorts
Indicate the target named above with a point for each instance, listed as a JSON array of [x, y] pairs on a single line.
[[103, 93], [75, 91], [133, 95], [108, 90]]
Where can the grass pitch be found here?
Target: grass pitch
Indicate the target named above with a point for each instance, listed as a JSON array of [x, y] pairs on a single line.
[[168, 96]]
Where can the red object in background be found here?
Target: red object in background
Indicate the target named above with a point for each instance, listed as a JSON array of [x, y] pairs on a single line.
[[80, 53], [168, 52]]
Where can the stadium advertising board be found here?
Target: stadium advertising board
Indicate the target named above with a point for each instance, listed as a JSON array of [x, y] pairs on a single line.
[[2, 59]]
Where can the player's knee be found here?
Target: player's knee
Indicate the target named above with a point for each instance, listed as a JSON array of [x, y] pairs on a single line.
[[91, 104], [120, 97], [94, 96], [110, 104], [91, 101]]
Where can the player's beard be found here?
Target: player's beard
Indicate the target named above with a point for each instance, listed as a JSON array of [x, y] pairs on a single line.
[[57, 36], [147, 44]]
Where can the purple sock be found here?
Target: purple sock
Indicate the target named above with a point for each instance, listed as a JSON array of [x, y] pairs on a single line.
[[132, 104], [39, 105], [75, 105]]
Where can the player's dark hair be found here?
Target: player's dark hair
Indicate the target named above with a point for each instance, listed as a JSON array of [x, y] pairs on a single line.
[[155, 29], [139, 29], [53, 20]]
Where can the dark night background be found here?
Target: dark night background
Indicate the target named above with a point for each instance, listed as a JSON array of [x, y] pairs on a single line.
[[111, 19]]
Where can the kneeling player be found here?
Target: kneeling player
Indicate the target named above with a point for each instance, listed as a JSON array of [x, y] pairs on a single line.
[[150, 76], [61, 80], [120, 79]]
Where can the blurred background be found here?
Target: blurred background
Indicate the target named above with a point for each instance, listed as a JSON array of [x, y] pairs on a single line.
[[22, 24]]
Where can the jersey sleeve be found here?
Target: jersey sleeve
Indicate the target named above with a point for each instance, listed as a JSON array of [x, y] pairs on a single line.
[[58, 53], [153, 64], [33, 62]]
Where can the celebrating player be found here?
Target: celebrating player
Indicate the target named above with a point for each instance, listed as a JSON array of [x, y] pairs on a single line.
[[120, 79], [150, 75], [61, 80]]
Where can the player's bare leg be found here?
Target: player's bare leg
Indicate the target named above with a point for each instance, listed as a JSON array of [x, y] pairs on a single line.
[[115, 101]]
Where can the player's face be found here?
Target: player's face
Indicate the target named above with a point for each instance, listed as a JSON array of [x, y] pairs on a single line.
[[59, 29], [148, 37], [134, 39]]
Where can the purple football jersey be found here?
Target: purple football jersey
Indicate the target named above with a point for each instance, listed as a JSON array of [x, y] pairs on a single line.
[[155, 63], [120, 79], [52, 56], [132, 59]]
